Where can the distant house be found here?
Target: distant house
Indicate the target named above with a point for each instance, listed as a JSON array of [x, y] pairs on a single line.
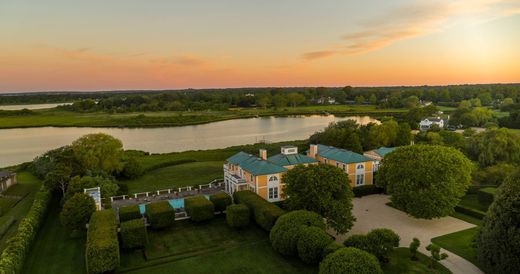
[[328, 100], [7, 179], [261, 174], [378, 155], [359, 168], [427, 123]]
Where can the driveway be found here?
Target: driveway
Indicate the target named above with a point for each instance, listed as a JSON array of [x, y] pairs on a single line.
[[372, 212]]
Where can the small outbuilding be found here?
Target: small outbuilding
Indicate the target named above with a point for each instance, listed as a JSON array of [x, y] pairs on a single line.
[[7, 179]]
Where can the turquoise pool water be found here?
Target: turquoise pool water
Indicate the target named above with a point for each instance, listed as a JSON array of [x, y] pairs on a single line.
[[175, 203]]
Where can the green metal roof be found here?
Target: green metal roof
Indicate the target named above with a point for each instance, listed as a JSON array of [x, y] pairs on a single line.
[[341, 155], [255, 165], [292, 159], [382, 151]]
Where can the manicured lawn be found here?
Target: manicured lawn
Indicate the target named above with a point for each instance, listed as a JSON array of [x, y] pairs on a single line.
[[188, 174], [210, 247], [471, 201], [400, 262], [27, 186], [54, 250], [460, 243]]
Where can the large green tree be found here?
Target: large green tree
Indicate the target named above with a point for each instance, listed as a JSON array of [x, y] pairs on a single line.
[[76, 211], [99, 152], [323, 189], [78, 184], [495, 145], [425, 181], [498, 241]]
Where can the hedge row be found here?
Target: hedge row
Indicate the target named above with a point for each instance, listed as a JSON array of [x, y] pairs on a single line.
[[221, 200], [199, 208], [360, 191], [127, 213], [133, 234], [470, 212], [237, 216], [160, 214], [18, 246], [486, 196], [264, 212], [102, 252]]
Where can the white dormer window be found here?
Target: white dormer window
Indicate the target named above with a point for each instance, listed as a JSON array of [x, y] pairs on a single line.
[[360, 166], [273, 179]]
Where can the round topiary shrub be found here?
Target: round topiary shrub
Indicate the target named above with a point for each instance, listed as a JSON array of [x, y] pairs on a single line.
[[237, 216], [350, 260], [311, 244], [358, 241], [284, 234], [76, 211], [331, 248]]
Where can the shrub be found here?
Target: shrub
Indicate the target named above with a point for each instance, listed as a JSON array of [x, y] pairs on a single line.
[[160, 215], [285, 233], [133, 234], [221, 200], [237, 216], [331, 248], [264, 212], [76, 211], [132, 169], [350, 260], [365, 190], [199, 208], [17, 247], [379, 242], [311, 244], [131, 212], [414, 245], [102, 252], [358, 241], [486, 196]]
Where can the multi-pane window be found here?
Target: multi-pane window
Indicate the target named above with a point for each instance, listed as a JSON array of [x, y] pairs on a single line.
[[360, 179], [273, 193]]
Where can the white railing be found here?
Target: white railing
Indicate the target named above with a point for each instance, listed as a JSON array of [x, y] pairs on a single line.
[[213, 184]]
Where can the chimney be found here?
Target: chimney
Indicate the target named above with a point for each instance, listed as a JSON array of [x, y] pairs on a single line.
[[263, 154], [313, 150]]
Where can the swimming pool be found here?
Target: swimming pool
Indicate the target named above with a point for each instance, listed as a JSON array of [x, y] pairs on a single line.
[[175, 203]]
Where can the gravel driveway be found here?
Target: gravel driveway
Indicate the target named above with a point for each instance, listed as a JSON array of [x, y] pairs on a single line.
[[372, 212]]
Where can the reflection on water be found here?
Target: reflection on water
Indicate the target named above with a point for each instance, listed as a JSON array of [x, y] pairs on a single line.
[[21, 145]]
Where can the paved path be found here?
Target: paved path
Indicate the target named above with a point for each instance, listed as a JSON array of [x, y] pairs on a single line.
[[372, 212]]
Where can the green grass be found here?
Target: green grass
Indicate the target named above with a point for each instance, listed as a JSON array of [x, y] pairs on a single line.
[[187, 174], [400, 262], [460, 243], [471, 201], [55, 117], [54, 250], [27, 185]]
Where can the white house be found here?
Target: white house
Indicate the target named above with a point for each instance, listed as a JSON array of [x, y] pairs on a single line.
[[7, 179], [429, 122]]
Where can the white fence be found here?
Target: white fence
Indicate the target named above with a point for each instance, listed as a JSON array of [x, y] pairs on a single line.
[[213, 184]]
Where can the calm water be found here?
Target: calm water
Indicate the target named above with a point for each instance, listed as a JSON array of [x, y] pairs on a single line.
[[22, 145], [33, 106]]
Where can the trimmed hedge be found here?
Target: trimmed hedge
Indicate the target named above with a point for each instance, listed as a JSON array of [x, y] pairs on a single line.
[[221, 200], [199, 208], [285, 233], [264, 213], [379, 242], [350, 260], [160, 215], [131, 212], [360, 191], [470, 212], [237, 216], [486, 196], [312, 241], [133, 234], [19, 245], [102, 252]]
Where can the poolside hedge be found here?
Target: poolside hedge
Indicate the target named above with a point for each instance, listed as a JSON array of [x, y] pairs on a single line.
[[221, 200], [160, 215], [102, 252], [199, 208], [264, 213], [237, 216], [18, 246], [131, 212], [133, 234]]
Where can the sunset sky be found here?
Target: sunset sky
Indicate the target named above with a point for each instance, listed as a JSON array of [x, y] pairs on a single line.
[[57, 45]]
